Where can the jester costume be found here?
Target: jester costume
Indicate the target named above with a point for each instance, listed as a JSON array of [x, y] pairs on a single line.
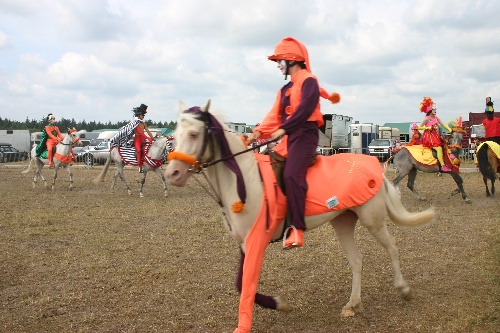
[[296, 110], [134, 127], [51, 136]]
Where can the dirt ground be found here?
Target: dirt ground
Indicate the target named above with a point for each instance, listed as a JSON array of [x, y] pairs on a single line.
[[88, 260]]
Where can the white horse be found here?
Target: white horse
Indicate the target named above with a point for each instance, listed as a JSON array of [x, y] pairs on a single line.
[[202, 142], [152, 162], [62, 158]]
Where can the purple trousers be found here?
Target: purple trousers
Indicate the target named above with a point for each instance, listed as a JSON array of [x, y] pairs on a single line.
[[301, 147]]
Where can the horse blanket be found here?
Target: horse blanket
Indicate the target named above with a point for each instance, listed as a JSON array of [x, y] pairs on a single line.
[[335, 182], [493, 146], [128, 155]]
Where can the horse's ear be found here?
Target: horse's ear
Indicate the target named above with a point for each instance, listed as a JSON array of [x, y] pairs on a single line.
[[205, 107], [182, 106], [69, 130]]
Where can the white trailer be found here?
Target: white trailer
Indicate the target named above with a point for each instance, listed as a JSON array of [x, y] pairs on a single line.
[[334, 134], [19, 139], [361, 136], [391, 133]]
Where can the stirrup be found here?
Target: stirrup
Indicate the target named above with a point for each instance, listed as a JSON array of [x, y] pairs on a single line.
[[297, 242]]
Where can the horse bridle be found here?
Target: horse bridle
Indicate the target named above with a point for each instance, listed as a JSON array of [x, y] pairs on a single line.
[[197, 163]]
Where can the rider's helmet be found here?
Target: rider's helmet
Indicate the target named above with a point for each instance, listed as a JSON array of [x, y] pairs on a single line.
[[291, 50], [51, 116], [489, 106]]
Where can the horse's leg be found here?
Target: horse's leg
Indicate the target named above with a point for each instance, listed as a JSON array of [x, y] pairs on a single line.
[[456, 177], [372, 215], [53, 184], [119, 172], [143, 180], [268, 302], [163, 180], [412, 175], [70, 173], [344, 228], [485, 181]]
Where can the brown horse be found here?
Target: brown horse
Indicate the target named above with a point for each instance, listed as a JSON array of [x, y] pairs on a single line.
[[489, 165]]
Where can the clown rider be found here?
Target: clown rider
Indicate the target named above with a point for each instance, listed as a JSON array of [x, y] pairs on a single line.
[[136, 127], [51, 136], [431, 137]]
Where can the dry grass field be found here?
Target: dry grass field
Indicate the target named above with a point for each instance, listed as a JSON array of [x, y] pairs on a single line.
[[88, 260]]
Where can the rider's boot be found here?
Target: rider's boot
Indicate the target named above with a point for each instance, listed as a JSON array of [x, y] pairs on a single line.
[[295, 238]]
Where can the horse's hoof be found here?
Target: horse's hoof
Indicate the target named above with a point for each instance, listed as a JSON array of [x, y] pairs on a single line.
[[406, 293], [165, 194], [129, 192], [281, 304], [141, 195], [467, 200], [422, 199], [346, 313]]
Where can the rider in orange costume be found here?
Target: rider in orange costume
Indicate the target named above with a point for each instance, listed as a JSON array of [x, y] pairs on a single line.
[[53, 137], [296, 113]]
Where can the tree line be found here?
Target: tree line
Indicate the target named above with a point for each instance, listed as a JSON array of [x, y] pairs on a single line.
[[37, 125]]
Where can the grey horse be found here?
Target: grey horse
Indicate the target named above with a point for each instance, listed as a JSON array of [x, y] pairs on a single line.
[[158, 151], [406, 165]]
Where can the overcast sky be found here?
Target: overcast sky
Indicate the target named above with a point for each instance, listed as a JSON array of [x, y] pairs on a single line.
[[97, 59]]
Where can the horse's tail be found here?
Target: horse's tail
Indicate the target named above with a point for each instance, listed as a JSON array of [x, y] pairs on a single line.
[[398, 213], [484, 163], [101, 176], [32, 161], [386, 164]]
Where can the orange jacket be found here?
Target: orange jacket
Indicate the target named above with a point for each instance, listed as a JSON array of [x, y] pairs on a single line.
[[272, 121], [53, 133]]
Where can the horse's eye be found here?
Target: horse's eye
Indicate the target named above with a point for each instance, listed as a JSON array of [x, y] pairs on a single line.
[[193, 135]]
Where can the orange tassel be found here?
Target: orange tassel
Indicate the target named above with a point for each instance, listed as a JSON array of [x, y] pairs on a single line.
[[334, 98], [238, 207]]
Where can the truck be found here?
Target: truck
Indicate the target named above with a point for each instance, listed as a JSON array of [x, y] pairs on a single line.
[[19, 139], [334, 134], [361, 136]]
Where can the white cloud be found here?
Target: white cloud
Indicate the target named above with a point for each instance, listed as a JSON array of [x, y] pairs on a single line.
[[96, 60]]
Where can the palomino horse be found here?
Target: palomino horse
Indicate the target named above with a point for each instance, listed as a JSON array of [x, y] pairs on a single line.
[[254, 218], [489, 164], [407, 165], [153, 159], [62, 158]]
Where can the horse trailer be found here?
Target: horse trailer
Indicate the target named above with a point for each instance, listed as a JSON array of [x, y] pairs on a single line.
[[361, 136]]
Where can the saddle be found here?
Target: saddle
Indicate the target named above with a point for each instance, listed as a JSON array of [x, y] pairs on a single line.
[[278, 163]]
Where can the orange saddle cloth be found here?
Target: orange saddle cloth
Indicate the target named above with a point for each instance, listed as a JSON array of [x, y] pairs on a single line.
[[335, 182]]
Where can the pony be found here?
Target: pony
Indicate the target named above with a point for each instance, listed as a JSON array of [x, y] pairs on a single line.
[[153, 159], [488, 163], [407, 165], [255, 217], [62, 158]]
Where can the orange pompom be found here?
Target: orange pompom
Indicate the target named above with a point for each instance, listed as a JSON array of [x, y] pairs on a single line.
[[334, 98], [238, 207]]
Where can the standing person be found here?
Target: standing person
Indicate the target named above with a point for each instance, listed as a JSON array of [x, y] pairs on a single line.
[[431, 137], [491, 124], [51, 136], [295, 114], [138, 128]]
